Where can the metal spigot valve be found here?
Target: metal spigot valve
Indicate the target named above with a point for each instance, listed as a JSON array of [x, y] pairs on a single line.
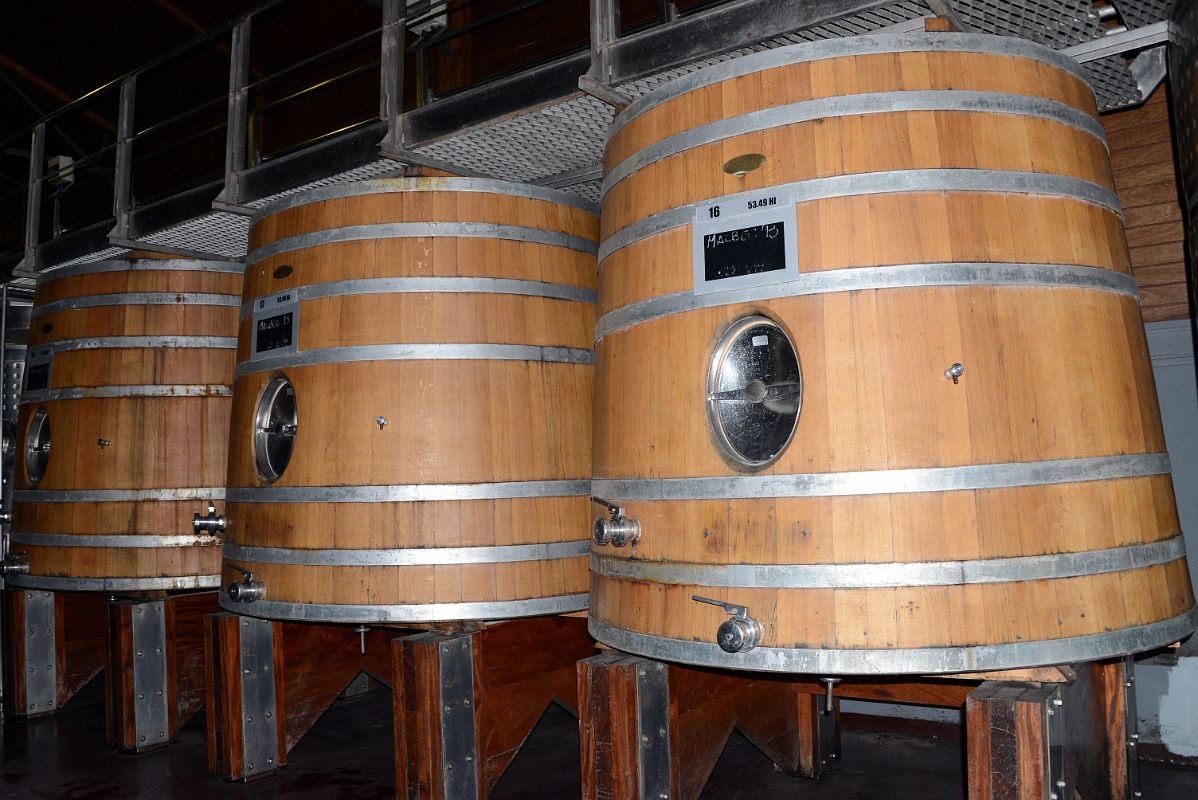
[[213, 523], [737, 635], [248, 590], [14, 564], [618, 530]]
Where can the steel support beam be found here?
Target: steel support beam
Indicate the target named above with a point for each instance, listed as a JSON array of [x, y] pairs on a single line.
[[122, 201], [235, 133], [33, 204], [1115, 43]]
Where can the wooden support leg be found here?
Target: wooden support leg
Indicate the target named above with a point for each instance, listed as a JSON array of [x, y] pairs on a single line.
[[268, 682], [54, 645], [466, 702], [652, 730], [244, 727], [1029, 741], [155, 677]]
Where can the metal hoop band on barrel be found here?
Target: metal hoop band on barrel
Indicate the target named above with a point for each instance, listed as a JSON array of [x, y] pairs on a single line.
[[899, 661], [130, 390], [141, 265], [135, 342], [404, 185], [902, 276], [115, 540], [886, 575], [404, 230], [409, 557], [851, 106], [421, 285], [864, 45], [418, 352], [115, 495], [409, 493], [114, 584], [889, 182], [420, 612], [137, 299], [886, 481]]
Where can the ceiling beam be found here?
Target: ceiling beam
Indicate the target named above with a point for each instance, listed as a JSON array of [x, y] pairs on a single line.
[[58, 94]]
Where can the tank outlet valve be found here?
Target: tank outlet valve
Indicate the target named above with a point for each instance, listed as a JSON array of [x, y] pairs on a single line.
[[618, 530], [248, 590], [14, 564], [737, 635], [955, 372], [213, 523]]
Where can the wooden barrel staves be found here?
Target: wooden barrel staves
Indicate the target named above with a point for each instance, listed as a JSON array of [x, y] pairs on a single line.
[[872, 385], [124, 423], [411, 417]]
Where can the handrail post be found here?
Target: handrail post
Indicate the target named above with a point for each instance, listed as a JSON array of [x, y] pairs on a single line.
[[605, 30], [122, 201], [391, 79], [235, 133], [33, 208]]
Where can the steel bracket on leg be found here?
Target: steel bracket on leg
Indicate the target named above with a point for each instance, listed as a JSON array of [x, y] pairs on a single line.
[[459, 726], [259, 727], [41, 654], [151, 718]]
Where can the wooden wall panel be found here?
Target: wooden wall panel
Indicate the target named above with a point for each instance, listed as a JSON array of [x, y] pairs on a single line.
[[1144, 162]]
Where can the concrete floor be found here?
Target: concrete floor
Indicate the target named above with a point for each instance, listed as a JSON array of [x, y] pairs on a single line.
[[348, 755]]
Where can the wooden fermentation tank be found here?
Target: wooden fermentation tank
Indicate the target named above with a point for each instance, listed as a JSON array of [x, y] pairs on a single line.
[[123, 425], [411, 419], [872, 386]]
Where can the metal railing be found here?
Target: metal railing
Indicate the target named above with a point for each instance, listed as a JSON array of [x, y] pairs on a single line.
[[224, 161]]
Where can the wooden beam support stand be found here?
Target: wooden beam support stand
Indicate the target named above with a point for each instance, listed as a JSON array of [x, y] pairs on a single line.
[[267, 683], [466, 701], [652, 730], [155, 679], [53, 646]]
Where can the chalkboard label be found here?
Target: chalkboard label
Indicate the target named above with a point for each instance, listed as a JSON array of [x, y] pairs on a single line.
[[37, 369], [744, 241], [276, 325]]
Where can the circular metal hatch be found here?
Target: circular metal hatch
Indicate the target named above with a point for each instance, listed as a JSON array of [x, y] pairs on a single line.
[[275, 424], [37, 446], [754, 392]]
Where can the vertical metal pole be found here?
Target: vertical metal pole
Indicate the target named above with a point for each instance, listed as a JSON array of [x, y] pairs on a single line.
[[235, 133], [33, 208], [605, 29], [391, 78], [123, 185]]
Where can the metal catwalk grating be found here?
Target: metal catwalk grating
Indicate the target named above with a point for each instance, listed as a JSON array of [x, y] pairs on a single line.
[[570, 135], [563, 142], [99, 255], [375, 169], [1113, 84], [226, 234], [1138, 13], [1056, 23], [217, 232]]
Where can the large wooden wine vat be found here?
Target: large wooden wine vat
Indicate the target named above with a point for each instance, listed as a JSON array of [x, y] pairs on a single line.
[[872, 386], [411, 421], [123, 424]]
